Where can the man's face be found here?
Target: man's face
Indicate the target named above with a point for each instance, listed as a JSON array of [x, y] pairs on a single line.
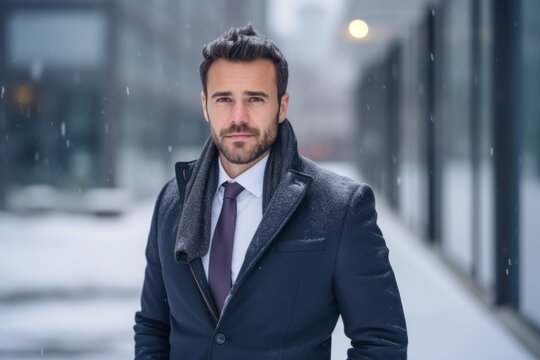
[[241, 106]]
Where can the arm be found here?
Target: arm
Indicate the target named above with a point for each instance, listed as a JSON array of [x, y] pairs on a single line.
[[365, 286], [152, 321]]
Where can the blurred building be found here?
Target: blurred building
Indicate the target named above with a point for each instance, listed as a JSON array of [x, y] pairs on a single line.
[[104, 93], [449, 130]]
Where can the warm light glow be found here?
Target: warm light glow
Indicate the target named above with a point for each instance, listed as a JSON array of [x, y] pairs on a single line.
[[24, 94], [358, 29]]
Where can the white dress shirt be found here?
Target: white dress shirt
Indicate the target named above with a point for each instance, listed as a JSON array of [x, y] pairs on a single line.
[[248, 212]]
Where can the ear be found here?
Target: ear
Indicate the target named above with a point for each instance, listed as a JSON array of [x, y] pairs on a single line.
[[203, 103], [284, 104]]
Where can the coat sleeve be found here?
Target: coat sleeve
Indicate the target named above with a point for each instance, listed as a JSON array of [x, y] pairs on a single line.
[[365, 286], [152, 321]]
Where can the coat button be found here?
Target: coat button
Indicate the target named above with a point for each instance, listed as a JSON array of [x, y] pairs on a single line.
[[220, 339]]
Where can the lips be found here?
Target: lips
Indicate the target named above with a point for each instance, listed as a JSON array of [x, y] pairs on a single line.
[[239, 132], [239, 136]]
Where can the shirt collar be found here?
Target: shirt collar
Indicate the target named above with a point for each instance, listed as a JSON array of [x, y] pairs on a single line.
[[252, 179]]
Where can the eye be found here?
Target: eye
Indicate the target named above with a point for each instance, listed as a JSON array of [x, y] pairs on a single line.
[[223, 100], [256, 99]]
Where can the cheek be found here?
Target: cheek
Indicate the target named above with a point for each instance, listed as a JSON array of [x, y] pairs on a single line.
[[264, 116], [217, 116], [220, 114], [215, 126]]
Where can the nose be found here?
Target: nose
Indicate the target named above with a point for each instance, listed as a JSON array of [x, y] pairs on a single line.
[[239, 114]]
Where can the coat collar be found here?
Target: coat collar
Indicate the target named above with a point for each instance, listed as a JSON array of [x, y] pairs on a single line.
[[183, 171], [288, 195]]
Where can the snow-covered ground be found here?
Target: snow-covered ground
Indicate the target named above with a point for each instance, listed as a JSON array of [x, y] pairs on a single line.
[[70, 284]]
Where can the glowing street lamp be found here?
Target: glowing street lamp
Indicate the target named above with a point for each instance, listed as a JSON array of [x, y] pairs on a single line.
[[358, 29]]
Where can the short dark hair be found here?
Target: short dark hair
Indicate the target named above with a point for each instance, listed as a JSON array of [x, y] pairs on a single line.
[[245, 44]]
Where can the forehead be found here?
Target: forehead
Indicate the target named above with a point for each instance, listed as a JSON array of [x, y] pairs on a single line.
[[226, 75]]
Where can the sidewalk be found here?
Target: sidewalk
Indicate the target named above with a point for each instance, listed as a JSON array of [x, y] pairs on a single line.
[[70, 287], [444, 320]]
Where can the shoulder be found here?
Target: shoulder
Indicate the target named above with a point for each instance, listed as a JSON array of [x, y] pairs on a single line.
[[336, 188], [167, 199], [173, 190], [169, 192]]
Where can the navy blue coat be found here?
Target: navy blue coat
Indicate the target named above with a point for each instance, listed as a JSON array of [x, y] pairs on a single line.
[[318, 253]]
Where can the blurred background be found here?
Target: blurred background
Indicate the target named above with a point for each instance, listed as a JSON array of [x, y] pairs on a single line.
[[434, 103]]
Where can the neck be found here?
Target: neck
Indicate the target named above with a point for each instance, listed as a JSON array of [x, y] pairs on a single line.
[[234, 170]]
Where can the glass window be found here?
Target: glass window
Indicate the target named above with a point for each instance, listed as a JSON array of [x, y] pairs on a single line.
[[486, 236], [412, 178], [61, 38], [530, 162], [457, 166]]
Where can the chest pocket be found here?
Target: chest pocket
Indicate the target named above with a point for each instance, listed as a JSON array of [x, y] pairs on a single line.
[[298, 245]]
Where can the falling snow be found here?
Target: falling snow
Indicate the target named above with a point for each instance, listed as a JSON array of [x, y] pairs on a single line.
[[63, 129], [109, 317], [127, 90], [2, 92]]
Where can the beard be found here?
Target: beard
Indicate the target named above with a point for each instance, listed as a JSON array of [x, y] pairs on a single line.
[[245, 152]]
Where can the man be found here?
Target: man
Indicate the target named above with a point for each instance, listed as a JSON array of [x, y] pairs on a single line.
[[254, 251]]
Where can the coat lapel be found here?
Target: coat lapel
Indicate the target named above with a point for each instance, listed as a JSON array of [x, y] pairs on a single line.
[[183, 173], [288, 195]]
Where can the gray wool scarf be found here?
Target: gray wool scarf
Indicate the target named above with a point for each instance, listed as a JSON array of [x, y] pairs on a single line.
[[193, 236]]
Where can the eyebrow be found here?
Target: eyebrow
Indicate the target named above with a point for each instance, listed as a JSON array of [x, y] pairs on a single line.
[[256, 93], [221, 93], [247, 93]]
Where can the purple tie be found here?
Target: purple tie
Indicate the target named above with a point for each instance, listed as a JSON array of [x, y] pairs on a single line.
[[222, 244]]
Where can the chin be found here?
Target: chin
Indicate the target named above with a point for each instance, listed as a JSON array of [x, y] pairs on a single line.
[[241, 157], [240, 160]]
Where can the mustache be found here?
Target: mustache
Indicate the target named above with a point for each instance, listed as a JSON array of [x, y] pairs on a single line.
[[244, 128]]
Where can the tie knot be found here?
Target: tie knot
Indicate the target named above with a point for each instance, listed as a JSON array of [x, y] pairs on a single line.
[[232, 190]]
